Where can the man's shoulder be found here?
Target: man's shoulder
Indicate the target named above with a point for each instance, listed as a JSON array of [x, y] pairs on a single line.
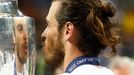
[[92, 70]]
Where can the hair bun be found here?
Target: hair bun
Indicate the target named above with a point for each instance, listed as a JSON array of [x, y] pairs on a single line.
[[109, 9]]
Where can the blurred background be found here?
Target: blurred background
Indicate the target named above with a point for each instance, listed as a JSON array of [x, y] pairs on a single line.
[[38, 9]]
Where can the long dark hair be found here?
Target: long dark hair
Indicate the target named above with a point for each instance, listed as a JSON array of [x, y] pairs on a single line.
[[91, 19]]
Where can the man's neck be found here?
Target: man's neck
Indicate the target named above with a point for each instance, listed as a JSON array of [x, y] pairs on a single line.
[[71, 53], [19, 65]]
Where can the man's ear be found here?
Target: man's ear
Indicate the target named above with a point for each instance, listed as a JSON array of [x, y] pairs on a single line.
[[69, 27]]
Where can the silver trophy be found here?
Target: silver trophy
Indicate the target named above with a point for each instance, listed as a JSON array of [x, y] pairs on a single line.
[[17, 40]]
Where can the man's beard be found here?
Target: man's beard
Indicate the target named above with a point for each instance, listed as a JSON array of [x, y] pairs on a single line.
[[22, 60], [53, 52]]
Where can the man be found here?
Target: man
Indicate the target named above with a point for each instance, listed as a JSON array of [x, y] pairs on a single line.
[[122, 65], [20, 40], [77, 31]]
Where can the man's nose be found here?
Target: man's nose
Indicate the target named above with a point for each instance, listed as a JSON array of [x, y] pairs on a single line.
[[43, 35], [25, 35]]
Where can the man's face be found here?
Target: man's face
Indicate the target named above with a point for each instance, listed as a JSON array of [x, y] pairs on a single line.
[[52, 46], [21, 41]]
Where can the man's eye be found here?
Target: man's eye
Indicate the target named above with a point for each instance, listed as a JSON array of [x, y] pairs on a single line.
[[19, 27]]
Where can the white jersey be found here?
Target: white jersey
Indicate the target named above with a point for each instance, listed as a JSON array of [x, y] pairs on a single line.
[[9, 69], [88, 69]]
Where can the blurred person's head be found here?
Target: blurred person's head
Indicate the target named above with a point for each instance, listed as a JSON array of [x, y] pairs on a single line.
[[83, 24], [122, 65], [20, 39]]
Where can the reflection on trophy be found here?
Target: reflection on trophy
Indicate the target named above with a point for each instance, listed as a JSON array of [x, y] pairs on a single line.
[[17, 40]]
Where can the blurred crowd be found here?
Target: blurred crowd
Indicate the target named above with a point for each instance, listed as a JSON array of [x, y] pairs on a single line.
[[124, 63]]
